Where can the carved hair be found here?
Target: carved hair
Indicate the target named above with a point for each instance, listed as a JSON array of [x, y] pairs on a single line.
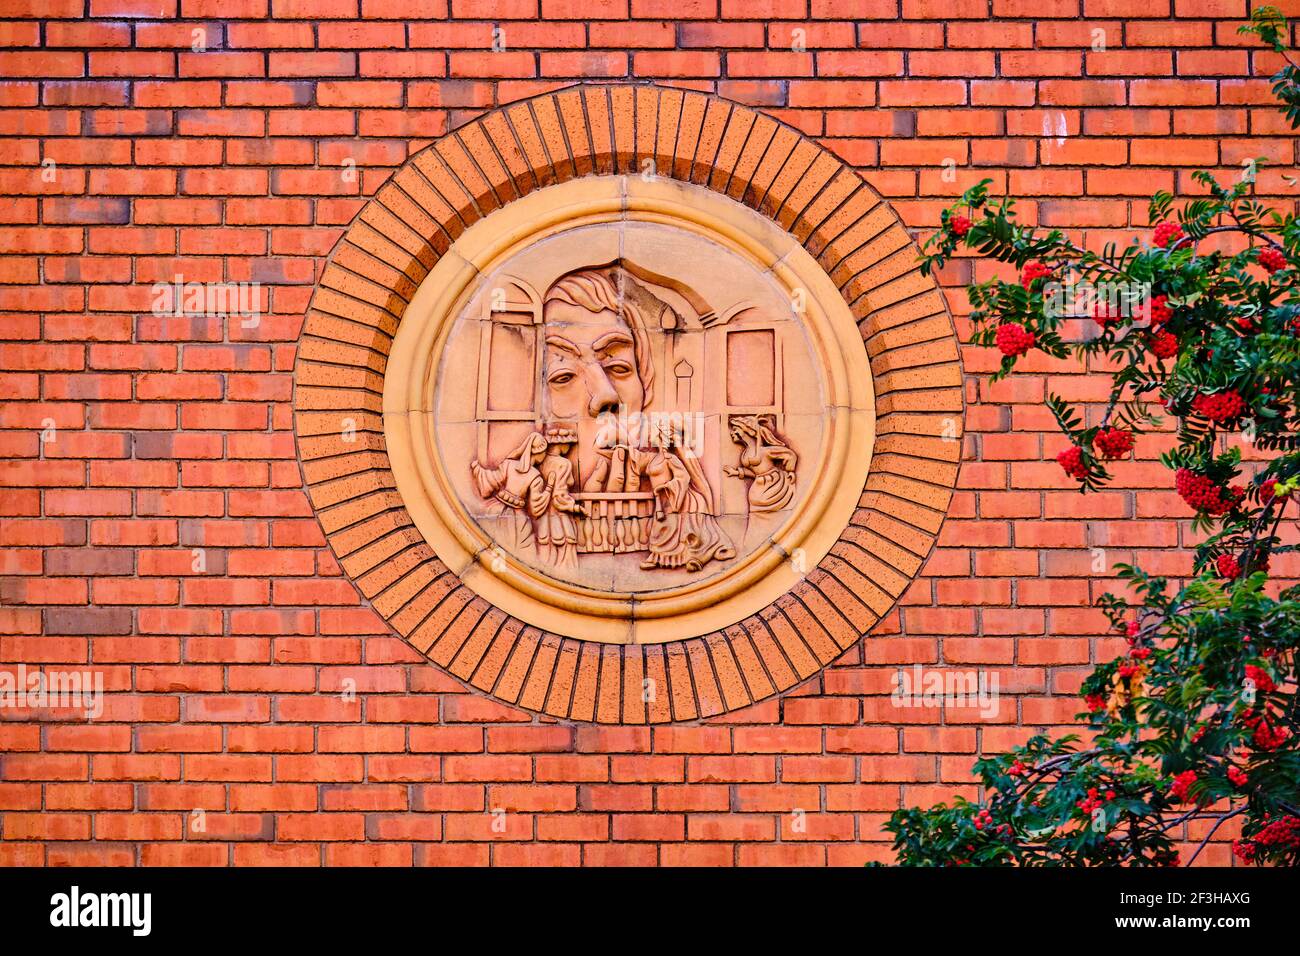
[[615, 289]]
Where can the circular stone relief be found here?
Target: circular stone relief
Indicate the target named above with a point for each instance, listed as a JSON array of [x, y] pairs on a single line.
[[622, 426], [623, 409]]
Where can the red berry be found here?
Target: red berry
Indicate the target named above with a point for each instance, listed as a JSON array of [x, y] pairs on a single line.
[[1271, 259], [1159, 311], [1261, 678], [1071, 459], [1166, 234], [1033, 271], [1014, 339], [1182, 785], [1238, 777], [1271, 490], [1164, 344], [1103, 314], [1228, 566], [1265, 736], [1113, 442], [1204, 495], [1220, 407], [959, 225]]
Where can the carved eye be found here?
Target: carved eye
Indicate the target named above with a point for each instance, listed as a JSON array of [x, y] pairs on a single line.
[[562, 378], [618, 368]]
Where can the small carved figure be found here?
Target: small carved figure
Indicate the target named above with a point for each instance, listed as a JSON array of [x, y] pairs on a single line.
[[517, 486], [557, 531], [766, 462], [684, 531], [534, 483]]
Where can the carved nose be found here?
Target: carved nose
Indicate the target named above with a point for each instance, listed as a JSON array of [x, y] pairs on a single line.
[[603, 398]]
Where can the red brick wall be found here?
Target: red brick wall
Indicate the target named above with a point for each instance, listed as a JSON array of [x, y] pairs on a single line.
[[173, 435]]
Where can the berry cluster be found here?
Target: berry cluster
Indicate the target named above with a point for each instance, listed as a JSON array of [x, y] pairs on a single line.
[[1266, 736], [1014, 339], [1238, 777], [1166, 234], [1269, 491], [1261, 678], [1104, 315], [1220, 407], [1113, 442], [1182, 786], [1159, 311], [1164, 344], [959, 225], [1204, 495], [982, 819], [1034, 270], [1281, 835], [1271, 259], [1071, 459], [1228, 566], [1093, 800], [1095, 702]]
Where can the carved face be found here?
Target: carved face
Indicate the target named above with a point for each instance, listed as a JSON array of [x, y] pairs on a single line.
[[590, 368]]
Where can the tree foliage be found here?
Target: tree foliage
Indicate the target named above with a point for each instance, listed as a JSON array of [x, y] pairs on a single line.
[[1198, 720]]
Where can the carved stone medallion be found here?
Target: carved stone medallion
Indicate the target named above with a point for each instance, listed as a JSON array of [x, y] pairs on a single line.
[[625, 400], [627, 404], [636, 418]]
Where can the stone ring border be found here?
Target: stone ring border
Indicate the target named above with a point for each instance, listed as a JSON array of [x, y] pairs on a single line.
[[410, 224]]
